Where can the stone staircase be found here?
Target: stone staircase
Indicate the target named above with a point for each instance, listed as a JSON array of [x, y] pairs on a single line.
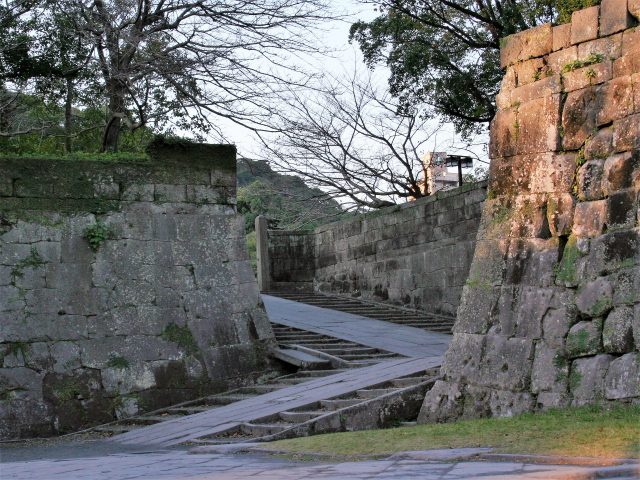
[[388, 404], [313, 355], [378, 311]]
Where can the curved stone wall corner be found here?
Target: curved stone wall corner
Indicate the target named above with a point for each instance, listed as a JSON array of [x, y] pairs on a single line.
[[125, 286], [550, 315]]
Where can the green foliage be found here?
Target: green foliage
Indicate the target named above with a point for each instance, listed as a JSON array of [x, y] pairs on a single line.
[[565, 271], [97, 234], [118, 361], [575, 378], [67, 390], [33, 260], [182, 336], [590, 60], [251, 246], [15, 348], [586, 431], [285, 199], [567, 7]]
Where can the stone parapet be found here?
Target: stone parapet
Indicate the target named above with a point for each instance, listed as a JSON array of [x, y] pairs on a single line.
[[416, 254], [549, 313]]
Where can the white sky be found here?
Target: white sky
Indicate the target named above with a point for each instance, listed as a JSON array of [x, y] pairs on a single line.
[[347, 59]]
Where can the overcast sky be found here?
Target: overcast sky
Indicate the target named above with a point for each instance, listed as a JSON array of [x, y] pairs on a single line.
[[347, 59]]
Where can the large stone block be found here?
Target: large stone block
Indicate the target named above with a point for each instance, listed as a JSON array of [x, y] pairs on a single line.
[[622, 208], [626, 133], [462, 361], [584, 339], [595, 298], [615, 100], [506, 363], [617, 331], [561, 36], [599, 146], [584, 25], [586, 379], [590, 218], [556, 324], [587, 76], [534, 42], [618, 170], [609, 47], [560, 213], [614, 16], [444, 402], [578, 117], [507, 403], [550, 371], [623, 378]]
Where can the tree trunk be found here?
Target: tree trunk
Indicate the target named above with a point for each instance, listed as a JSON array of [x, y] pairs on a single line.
[[116, 113], [68, 116]]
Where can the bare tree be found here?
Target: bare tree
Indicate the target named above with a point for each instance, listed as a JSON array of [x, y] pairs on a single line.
[[189, 61], [351, 140]]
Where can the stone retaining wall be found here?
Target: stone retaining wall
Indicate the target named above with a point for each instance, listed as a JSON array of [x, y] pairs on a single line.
[[124, 287], [550, 315], [416, 254]]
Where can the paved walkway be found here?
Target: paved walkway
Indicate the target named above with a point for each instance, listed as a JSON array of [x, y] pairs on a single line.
[[180, 465], [408, 341]]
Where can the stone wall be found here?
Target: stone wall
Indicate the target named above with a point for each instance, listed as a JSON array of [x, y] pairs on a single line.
[[416, 254], [124, 287], [550, 316]]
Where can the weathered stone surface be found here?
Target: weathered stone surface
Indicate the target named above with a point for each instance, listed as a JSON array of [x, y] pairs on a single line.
[[570, 278], [595, 298], [578, 118], [590, 179], [529, 71], [617, 331], [587, 76], [586, 379], [506, 363], [443, 402], [617, 173], [623, 378], [94, 330], [584, 339], [590, 218], [584, 25], [634, 8], [535, 42], [550, 372], [600, 146], [561, 36], [626, 133], [614, 100], [614, 17], [557, 61], [560, 209], [622, 208]]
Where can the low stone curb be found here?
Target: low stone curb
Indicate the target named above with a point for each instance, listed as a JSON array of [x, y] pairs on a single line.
[[557, 459]]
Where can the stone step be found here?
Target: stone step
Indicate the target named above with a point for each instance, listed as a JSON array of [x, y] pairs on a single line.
[[187, 410], [300, 359], [338, 403], [298, 417], [340, 352], [117, 428], [262, 429], [355, 356], [265, 388], [408, 381], [374, 392]]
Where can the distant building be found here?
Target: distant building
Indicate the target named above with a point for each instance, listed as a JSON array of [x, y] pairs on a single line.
[[436, 175]]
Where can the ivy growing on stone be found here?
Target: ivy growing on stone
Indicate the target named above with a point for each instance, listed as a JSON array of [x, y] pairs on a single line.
[[182, 336], [97, 234]]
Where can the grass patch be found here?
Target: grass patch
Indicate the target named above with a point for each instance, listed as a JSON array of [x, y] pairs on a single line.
[[585, 431]]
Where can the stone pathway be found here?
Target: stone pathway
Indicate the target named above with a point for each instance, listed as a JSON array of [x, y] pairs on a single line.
[[180, 465], [401, 339]]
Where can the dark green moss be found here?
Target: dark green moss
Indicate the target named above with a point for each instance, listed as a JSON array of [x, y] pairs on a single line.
[[181, 336]]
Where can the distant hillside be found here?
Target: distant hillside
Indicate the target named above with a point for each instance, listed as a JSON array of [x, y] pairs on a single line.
[[285, 199]]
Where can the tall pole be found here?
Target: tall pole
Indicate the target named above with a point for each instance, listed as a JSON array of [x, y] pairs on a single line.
[[459, 172]]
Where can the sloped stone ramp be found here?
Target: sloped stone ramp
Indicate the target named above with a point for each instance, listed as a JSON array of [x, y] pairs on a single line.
[[374, 378]]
